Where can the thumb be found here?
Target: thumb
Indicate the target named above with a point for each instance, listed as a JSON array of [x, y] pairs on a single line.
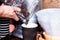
[[16, 9], [47, 37], [41, 38], [15, 17]]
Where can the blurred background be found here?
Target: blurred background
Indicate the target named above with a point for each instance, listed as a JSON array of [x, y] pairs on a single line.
[[43, 4]]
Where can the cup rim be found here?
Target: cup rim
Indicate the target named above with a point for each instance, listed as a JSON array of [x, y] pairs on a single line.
[[30, 25]]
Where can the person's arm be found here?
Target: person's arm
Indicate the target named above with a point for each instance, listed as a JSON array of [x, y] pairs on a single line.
[[9, 12]]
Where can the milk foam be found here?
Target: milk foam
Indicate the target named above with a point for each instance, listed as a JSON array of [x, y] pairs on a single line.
[[29, 25]]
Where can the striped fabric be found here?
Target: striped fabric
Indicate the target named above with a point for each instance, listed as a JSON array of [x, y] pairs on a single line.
[[4, 27]]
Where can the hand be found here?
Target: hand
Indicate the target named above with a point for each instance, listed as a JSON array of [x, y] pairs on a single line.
[[40, 38], [9, 12], [11, 28], [46, 37], [49, 37]]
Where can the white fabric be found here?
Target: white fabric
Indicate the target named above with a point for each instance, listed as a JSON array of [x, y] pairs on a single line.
[[49, 19]]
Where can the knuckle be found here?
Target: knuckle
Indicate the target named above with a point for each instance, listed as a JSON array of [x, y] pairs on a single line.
[[11, 14]]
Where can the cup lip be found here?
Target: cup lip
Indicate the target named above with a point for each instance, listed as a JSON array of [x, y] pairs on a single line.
[[31, 25]]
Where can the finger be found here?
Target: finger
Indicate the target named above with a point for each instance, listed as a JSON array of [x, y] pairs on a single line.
[[11, 28], [16, 9], [15, 17], [40, 37], [45, 35]]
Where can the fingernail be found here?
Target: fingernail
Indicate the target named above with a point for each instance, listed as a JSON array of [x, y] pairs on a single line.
[[19, 9], [17, 19], [43, 32]]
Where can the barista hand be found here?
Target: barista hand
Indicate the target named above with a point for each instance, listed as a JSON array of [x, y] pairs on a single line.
[[47, 37], [9, 12], [11, 27]]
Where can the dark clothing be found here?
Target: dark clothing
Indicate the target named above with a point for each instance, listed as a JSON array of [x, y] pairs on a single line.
[[11, 37], [6, 38]]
